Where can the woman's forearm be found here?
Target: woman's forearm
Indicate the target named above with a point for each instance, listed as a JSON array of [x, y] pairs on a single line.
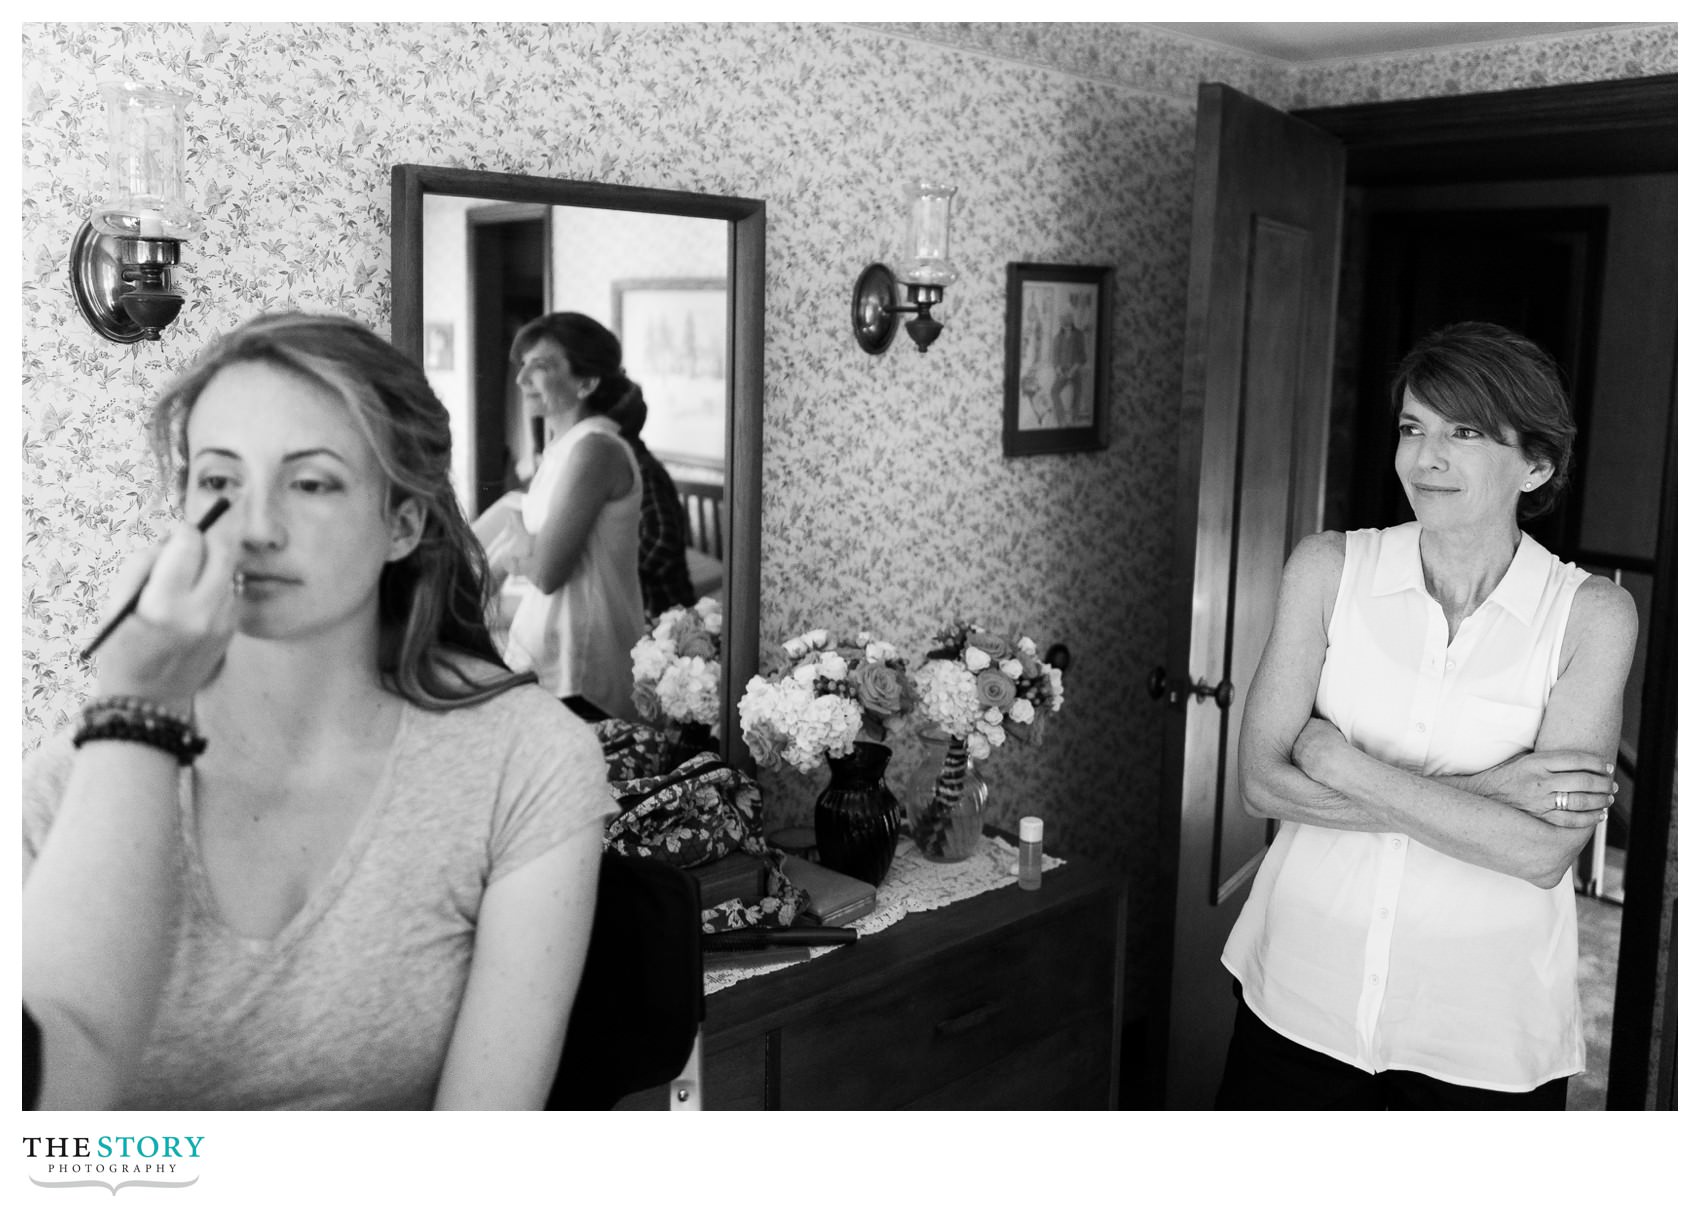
[[1276, 789], [100, 910], [1444, 816]]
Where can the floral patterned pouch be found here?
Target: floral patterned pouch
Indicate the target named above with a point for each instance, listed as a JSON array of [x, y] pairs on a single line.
[[695, 813]]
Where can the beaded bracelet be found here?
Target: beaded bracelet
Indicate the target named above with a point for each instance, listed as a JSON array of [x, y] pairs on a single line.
[[134, 705], [128, 718]]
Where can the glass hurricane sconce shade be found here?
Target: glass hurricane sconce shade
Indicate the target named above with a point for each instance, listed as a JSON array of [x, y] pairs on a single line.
[[926, 243], [122, 257], [924, 268]]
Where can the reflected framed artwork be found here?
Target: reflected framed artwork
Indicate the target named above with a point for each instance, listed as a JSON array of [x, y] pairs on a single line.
[[673, 334], [1056, 357], [439, 346]]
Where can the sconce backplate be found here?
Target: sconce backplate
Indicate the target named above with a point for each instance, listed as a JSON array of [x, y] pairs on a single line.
[[871, 303], [97, 282]]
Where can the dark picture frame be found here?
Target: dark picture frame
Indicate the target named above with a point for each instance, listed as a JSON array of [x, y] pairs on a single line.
[[1056, 357], [673, 332]]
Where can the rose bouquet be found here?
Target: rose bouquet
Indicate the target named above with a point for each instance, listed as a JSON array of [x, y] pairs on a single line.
[[676, 671], [981, 687], [978, 688], [827, 697]]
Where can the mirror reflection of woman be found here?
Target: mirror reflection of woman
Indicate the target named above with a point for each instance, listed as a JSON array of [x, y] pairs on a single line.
[[1434, 723], [574, 538], [374, 887]]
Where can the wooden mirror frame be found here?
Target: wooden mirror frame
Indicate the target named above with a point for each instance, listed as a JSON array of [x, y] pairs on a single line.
[[746, 272]]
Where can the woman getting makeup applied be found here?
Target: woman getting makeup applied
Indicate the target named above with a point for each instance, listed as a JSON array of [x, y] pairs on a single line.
[[348, 859], [1433, 723], [574, 534]]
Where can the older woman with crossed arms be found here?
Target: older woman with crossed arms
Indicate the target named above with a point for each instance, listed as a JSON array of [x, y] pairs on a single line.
[[1433, 723]]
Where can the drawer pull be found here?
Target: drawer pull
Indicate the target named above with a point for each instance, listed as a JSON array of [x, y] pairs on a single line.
[[963, 1023]]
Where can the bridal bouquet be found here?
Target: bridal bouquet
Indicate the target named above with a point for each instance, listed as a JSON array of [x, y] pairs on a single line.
[[827, 697], [981, 686], [676, 667]]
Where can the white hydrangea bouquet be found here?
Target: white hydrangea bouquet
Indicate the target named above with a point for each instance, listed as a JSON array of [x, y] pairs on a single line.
[[827, 697], [676, 668], [981, 687]]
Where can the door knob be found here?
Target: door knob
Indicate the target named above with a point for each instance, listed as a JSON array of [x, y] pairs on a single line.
[[1157, 686]]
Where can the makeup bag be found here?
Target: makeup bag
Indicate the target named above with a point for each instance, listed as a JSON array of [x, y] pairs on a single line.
[[691, 815]]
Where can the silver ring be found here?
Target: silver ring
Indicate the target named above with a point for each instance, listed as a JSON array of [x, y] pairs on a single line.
[[1560, 799]]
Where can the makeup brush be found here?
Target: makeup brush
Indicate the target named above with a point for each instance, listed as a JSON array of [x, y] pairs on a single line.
[[129, 608]]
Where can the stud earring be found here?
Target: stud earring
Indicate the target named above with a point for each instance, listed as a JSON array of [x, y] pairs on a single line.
[[1528, 486]]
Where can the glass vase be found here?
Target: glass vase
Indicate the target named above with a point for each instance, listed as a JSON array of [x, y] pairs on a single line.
[[946, 800], [857, 817]]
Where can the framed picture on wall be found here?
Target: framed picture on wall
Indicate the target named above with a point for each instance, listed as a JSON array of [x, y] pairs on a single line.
[[1056, 378], [439, 346], [673, 334]]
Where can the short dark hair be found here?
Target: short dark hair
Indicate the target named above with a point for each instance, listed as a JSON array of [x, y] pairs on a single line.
[[1489, 377], [592, 352]]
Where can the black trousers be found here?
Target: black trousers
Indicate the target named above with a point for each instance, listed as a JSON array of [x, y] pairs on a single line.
[[1266, 1071]]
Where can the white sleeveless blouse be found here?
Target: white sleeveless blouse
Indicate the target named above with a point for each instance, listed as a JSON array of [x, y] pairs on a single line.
[[1371, 947], [579, 639]]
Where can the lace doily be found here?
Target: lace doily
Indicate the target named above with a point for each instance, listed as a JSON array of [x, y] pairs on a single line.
[[914, 885]]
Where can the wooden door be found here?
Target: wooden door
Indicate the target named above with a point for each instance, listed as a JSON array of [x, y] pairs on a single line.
[[508, 284], [1267, 204]]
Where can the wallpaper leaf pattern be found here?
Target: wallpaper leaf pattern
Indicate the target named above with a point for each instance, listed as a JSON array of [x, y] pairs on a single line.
[[886, 500]]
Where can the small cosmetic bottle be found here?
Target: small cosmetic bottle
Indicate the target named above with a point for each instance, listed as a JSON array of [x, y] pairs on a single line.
[[1030, 862]]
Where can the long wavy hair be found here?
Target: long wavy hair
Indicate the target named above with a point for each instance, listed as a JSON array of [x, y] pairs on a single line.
[[430, 602]]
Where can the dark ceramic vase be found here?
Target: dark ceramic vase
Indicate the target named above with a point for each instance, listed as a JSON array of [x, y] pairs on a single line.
[[685, 743], [857, 817]]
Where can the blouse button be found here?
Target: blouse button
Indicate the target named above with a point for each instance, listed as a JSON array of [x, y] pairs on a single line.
[[1422, 727]]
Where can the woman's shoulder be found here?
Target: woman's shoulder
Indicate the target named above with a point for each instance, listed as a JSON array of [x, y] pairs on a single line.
[[523, 718], [596, 455], [1318, 557], [475, 672], [1603, 612]]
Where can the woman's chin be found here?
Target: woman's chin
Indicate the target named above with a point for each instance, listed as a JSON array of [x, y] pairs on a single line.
[[1440, 509]]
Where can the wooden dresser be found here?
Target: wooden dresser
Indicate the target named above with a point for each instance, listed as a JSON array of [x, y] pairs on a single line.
[[1005, 1000]]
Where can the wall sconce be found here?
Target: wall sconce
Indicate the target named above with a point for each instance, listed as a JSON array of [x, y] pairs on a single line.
[[924, 268], [122, 256]]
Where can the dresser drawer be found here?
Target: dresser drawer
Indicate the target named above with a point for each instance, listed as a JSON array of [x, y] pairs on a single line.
[[1068, 1070], [940, 1022]]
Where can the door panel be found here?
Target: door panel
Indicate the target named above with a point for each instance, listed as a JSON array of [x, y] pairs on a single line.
[[1268, 404], [1267, 204]]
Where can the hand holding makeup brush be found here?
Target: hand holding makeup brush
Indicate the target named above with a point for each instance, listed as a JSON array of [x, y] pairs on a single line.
[[174, 638]]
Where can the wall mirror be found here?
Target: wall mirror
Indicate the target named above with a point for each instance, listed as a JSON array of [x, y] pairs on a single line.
[[679, 277]]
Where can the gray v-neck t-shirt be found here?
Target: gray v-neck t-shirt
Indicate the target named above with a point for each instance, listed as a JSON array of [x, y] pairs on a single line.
[[353, 1003]]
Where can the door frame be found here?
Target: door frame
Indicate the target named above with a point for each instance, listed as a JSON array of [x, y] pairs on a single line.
[[1604, 128], [491, 381]]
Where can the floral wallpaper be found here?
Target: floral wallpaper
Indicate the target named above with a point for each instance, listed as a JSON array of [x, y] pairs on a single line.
[[886, 500]]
